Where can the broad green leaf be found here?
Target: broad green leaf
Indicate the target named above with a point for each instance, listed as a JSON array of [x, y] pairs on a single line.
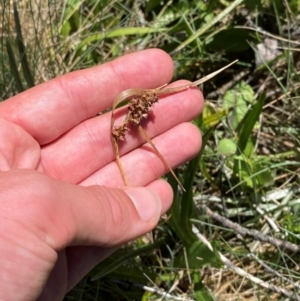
[[238, 99], [227, 146], [242, 93], [198, 255]]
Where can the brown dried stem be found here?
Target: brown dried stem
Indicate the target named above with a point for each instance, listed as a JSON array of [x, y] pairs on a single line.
[[140, 104]]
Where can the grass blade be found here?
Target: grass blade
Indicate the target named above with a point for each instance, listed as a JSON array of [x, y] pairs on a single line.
[[248, 123], [183, 206], [13, 66], [109, 266], [22, 49], [208, 25], [119, 32]]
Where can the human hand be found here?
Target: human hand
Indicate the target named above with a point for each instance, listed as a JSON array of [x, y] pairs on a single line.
[[61, 209]]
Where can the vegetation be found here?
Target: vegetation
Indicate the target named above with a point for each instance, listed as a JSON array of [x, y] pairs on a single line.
[[234, 233]]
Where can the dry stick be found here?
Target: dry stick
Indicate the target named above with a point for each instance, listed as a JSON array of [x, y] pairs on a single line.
[[272, 271], [140, 104], [229, 265], [254, 233]]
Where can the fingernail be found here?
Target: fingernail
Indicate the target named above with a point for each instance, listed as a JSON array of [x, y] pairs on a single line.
[[146, 202]]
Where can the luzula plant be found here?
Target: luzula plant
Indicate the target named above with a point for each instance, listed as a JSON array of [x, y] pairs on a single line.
[[139, 106]]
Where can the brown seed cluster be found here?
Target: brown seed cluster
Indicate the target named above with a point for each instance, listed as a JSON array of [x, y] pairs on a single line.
[[120, 132], [138, 108], [141, 101]]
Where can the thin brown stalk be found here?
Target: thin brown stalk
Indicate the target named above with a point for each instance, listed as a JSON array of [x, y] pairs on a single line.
[[145, 136]]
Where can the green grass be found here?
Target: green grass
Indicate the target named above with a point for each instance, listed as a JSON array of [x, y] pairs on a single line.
[[248, 168]]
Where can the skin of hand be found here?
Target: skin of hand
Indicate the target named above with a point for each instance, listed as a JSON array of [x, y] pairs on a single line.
[[64, 207]]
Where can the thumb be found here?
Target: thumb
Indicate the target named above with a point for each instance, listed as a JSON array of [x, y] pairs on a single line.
[[65, 214], [101, 216], [114, 216], [146, 202]]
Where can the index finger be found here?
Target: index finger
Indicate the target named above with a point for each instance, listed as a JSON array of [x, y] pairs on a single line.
[[54, 107]]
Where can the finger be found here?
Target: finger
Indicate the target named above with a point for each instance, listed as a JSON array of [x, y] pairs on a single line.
[[88, 147], [142, 166], [18, 150], [82, 259], [65, 214], [50, 109]]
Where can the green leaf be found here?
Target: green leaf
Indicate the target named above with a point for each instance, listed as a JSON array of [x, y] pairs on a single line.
[[119, 32], [212, 116], [250, 147], [72, 8], [248, 123], [65, 29], [242, 93], [238, 99], [264, 176], [227, 146], [183, 206], [120, 257], [201, 293], [181, 211], [197, 256], [254, 171], [134, 273]]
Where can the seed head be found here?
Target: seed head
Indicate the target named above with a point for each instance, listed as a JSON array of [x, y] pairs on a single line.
[[120, 132], [140, 106]]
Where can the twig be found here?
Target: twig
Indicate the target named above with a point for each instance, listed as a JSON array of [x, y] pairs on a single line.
[[229, 265], [272, 271], [254, 233]]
